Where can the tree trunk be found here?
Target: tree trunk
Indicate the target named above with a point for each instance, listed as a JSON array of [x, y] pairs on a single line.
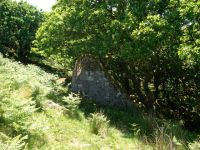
[[149, 96], [138, 89]]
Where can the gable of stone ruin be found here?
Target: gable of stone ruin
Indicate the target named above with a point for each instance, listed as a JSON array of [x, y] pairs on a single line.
[[90, 80]]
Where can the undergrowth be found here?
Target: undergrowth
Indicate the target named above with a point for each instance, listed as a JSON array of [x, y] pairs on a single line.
[[37, 112], [99, 124]]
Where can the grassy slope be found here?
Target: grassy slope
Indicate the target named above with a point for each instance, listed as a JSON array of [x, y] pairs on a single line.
[[28, 107]]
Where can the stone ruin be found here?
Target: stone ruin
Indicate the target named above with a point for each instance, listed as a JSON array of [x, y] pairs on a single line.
[[91, 81]]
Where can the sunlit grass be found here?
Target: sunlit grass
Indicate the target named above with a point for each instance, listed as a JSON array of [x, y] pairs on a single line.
[[38, 113]]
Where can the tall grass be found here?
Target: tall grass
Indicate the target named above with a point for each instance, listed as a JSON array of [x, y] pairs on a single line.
[[22, 91], [99, 124]]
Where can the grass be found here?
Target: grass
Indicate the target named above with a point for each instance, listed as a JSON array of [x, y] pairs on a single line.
[[99, 124], [37, 112]]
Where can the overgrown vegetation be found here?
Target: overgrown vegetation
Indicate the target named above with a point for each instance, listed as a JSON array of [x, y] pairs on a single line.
[[32, 119], [151, 48], [99, 124]]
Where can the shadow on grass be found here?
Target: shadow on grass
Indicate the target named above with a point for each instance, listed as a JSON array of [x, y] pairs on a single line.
[[133, 123], [124, 120], [130, 121]]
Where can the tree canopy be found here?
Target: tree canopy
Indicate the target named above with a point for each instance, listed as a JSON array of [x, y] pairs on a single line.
[[129, 29], [18, 25], [150, 47]]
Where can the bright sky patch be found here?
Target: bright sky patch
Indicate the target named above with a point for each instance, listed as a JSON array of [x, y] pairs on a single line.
[[42, 4]]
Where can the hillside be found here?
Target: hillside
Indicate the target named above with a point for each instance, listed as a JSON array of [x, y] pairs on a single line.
[[29, 115], [38, 112]]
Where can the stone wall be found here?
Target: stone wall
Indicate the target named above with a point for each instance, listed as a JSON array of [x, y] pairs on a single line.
[[90, 80]]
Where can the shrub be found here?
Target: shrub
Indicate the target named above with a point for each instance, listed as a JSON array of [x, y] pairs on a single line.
[[16, 143], [37, 97], [22, 90], [162, 139], [16, 112], [194, 146], [99, 124], [72, 104]]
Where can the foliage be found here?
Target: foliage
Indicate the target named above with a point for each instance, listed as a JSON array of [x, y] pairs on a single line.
[[16, 143], [190, 43], [151, 48], [99, 124], [51, 128], [16, 113], [166, 141], [18, 24], [72, 103], [194, 146], [19, 98]]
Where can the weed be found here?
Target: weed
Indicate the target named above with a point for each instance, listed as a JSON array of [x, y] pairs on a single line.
[[195, 145], [16, 143], [99, 124], [71, 103]]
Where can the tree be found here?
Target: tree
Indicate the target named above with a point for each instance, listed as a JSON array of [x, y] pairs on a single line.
[[138, 42], [18, 25], [190, 41]]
